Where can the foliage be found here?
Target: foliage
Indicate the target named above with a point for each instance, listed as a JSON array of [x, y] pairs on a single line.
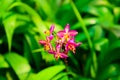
[[22, 25]]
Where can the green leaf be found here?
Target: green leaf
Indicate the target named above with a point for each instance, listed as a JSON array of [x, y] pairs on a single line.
[[50, 72], [105, 17], [3, 63], [19, 64], [109, 71], [31, 76], [30, 53], [81, 4], [91, 9], [34, 16], [60, 75], [9, 22], [116, 14], [82, 37], [101, 45], [45, 7], [4, 5], [112, 53], [115, 78], [92, 70], [115, 45], [24, 24], [101, 3], [98, 32], [87, 21], [115, 30]]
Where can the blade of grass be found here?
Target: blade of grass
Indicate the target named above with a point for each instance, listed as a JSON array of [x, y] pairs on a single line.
[[79, 17]]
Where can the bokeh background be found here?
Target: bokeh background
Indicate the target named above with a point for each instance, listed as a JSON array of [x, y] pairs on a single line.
[[22, 25]]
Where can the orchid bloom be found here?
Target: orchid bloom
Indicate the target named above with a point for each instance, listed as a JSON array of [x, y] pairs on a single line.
[[71, 45], [50, 31], [67, 33], [58, 54], [46, 43], [65, 42]]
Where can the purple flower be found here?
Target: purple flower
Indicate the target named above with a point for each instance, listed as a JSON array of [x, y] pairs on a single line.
[[71, 45], [67, 33]]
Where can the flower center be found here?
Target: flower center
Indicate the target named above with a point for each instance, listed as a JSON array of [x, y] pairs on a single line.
[[57, 56], [71, 47], [47, 32], [66, 37], [46, 47]]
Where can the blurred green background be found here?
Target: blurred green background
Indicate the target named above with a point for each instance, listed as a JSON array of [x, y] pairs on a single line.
[[22, 25]]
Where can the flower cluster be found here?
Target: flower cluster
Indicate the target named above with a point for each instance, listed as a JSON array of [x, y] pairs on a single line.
[[64, 41]]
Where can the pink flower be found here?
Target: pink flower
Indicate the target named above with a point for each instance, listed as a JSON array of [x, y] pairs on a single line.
[[63, 44], [67, 33], [46, 43], [50, 31], [58, 53], [71, 45]]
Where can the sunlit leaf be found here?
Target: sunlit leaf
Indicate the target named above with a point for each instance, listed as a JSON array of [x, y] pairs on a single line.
[[101, 3], [91, 9], [107, 20], [34, 16], [116, 14], [19, 64], [3, 63], [50, 72], [9, 22], [88, 22], [4, 5], [59, 76]]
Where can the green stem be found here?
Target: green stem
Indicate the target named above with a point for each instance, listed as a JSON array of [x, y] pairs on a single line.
[[78, 15]]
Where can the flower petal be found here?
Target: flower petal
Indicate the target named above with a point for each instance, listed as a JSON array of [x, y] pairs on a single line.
[[78, 44], [61, 33], [67, 28], [72, 40], [52, 29], [62, 55], [73, 32], [51, 52], [50, 37], [43, 42], [58, 48]]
